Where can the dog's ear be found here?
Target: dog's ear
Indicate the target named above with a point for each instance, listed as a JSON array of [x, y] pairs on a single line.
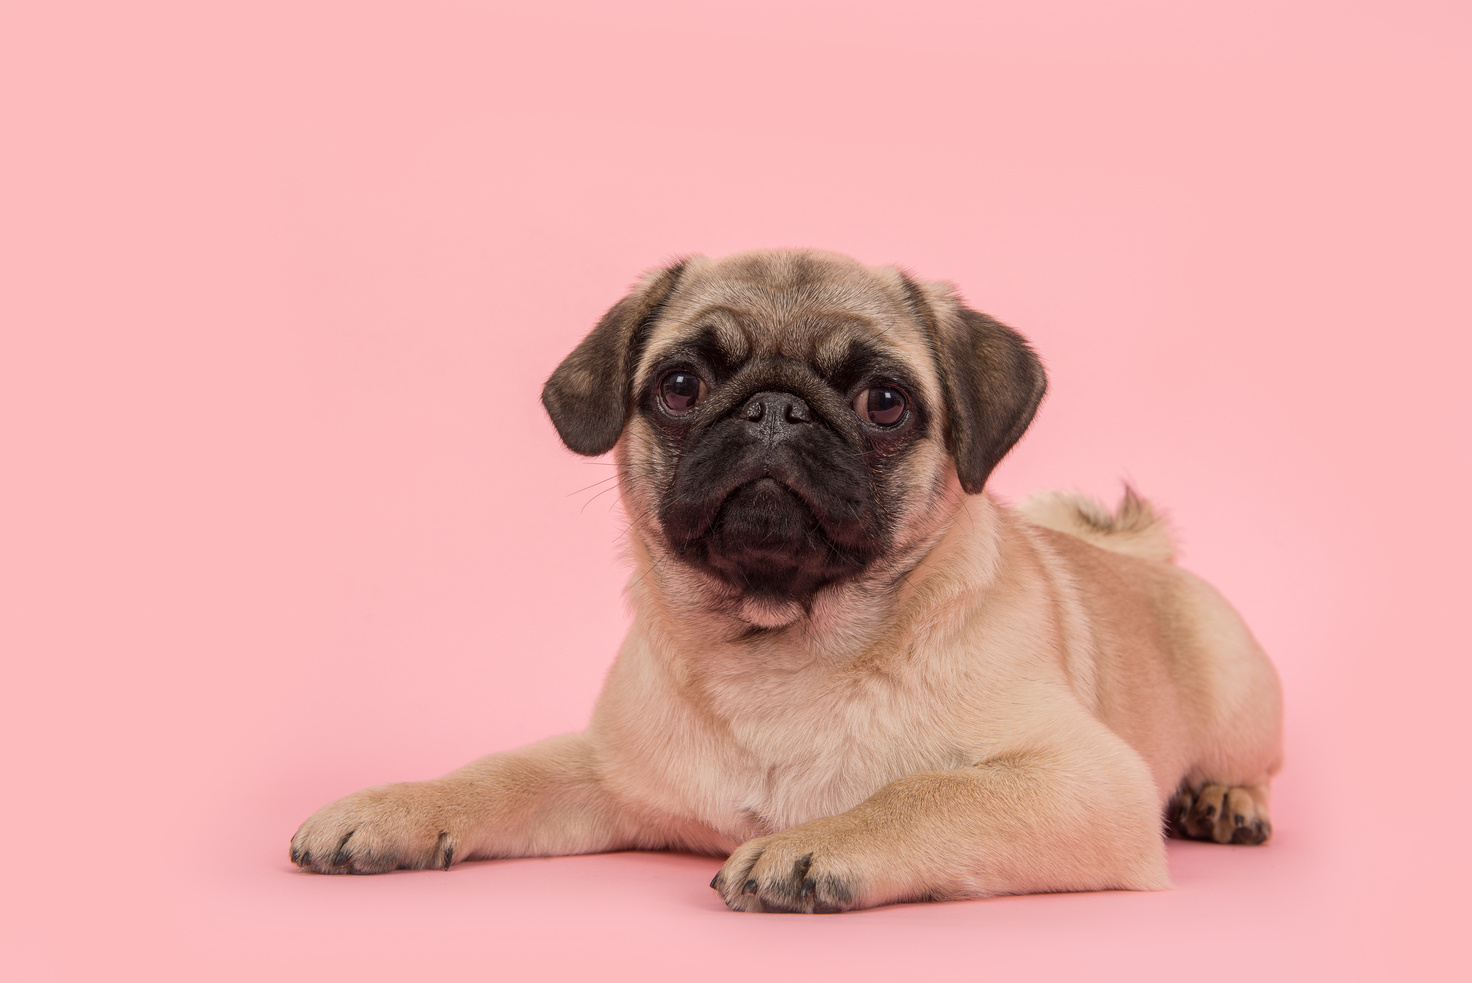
[[992, 379], [588, 396]]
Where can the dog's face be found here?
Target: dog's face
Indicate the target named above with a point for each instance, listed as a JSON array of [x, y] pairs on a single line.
[[788, 422]]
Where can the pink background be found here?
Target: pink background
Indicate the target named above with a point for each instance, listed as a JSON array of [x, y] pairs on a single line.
[[283, 516]]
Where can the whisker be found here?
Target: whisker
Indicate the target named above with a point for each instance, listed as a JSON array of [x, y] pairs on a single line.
[[596, 497], [612, 477], [652, 566]]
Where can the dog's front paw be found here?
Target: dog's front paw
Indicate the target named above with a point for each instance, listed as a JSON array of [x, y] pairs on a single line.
[[818, 867], [388, 827]]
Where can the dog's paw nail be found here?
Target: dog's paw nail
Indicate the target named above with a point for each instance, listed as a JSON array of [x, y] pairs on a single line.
[[714, 879], [808, 887], [749, 887]]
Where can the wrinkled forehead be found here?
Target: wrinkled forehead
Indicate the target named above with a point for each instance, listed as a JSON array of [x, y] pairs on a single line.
[[808, 308]]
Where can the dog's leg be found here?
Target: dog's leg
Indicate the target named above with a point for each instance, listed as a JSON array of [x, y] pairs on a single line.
[[542, 800], [1060, 817]]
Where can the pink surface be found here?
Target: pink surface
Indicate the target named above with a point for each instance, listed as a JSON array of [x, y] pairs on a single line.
[[283, 516]]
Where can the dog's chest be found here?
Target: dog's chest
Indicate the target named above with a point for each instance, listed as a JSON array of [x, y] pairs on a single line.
[[779, 749]]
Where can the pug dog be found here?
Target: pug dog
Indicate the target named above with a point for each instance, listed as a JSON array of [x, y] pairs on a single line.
[[852, 672]]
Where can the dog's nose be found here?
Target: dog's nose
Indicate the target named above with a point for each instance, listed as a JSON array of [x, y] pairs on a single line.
[[776, 415]]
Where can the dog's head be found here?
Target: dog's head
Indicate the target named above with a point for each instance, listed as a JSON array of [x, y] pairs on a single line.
[[789, 421]]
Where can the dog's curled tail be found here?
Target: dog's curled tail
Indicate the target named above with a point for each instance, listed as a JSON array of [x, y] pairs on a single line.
[[1135, 527]]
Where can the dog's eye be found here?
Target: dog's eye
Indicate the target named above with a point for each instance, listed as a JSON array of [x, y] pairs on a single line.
[[681, 391], [882, 406]]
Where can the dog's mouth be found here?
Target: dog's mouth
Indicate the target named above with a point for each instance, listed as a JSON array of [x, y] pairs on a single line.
[[764, 518], [767, 538]]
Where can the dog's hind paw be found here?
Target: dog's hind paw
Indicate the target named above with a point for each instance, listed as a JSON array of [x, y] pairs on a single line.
[[1222, 814]]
